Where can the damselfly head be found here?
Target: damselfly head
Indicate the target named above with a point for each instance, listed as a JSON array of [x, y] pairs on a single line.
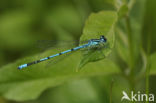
[[103, 39]]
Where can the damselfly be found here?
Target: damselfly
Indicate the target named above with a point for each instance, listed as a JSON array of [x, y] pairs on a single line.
[[91, 43]]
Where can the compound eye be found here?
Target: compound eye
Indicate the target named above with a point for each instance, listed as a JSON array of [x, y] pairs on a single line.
[[102, 37]]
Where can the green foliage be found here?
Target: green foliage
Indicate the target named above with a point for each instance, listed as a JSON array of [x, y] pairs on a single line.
[[13, 27], [98, 24], [153, 64], [123, 10], [148, 35], [56, 74], [71, 92], [29, 83], [99, 5], [128, 25]]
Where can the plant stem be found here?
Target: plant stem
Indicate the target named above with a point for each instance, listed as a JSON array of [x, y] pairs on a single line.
[[148, 63], [147, 79], [130, 42], [111, 88], [131, 55]]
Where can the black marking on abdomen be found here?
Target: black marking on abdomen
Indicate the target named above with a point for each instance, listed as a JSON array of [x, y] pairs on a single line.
[[60, 53], [35, 62], [72, 49], [38, 61], [31, 63]]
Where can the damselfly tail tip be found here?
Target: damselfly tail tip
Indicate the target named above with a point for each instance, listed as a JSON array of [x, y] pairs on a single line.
[[22, 66]]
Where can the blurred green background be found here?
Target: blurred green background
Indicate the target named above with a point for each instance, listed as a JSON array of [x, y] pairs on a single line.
[[24, 22]]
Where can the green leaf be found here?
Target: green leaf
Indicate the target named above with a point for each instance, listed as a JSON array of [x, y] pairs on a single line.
[[98, 5], [29, 83], [98, 24], [2, 100], [15, 24], [123, 10], [148, 30], [153, 64], [72, 92], [65, 17], [122, 45]]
